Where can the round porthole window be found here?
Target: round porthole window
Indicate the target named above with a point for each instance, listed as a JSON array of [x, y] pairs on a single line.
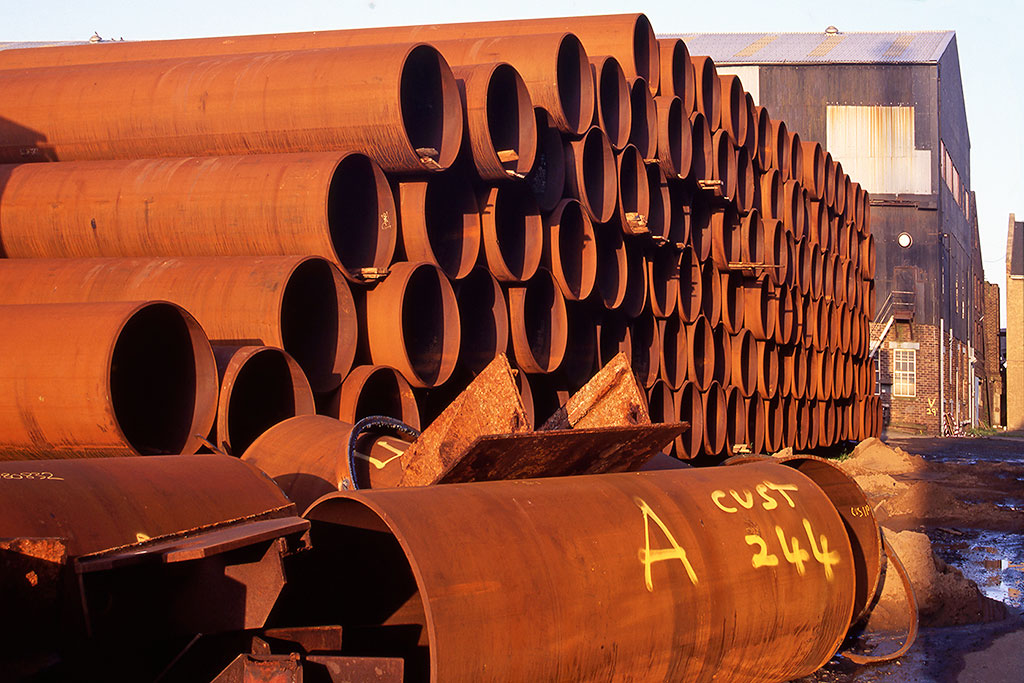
[[905, 240]]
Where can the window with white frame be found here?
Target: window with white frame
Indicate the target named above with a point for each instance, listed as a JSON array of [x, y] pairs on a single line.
[[904, 372]]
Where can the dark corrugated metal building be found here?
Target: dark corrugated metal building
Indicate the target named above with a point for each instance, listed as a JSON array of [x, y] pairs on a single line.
[[890, 107]]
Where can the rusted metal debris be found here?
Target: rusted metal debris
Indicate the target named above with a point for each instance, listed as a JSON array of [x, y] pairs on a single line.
[[611, 398]]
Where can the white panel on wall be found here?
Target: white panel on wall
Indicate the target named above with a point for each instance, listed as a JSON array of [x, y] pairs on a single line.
[[876, 146]]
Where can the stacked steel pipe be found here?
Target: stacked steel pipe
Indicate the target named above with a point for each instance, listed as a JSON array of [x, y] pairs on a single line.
[[506, 186]]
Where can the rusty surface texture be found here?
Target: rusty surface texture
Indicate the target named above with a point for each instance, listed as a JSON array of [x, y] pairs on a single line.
[[633, 200], [408, 118], [375, 390], [547, 177], [103, 379], [708, 91], [590, 170], [613, 109], [693, 550], [440, 222], [677, 72], [612, 398], [300, 304], [513, 241], [489, 405], [412, 323], [338, 206], [570, 250], [643, 131], [675, 137], [259, 387], [538, 323], [500, 127]]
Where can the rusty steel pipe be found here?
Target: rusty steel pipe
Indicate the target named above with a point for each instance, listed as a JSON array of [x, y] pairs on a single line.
[[646, 349], [259, 387], [724, 168], [581, 352], [715, 420], [759, 313], [774, 427], [635, 298], [708, 91], [542, 397], [817, 223], [614, 337], [744, 363], [633, 199], [775, 251], [726, 243], [805, 253], [701, 356], [663, 278], [770, 197], [785, 386], [813, 177], [570, 249], [723, 355], [796, 163], [338, 206], [675, 352], [753, 239], [512, 231], [499, 126], [690, 409], [734, 115], [781, 150], [751, 142], [643, 132], [483, 321], [547, 178], [675, 137], [691, 286], [412, 323], [829, 190], [591, 175], [403, 525], [613, 110], [103, 379], [745, 186], [660, 403], [700, 226], [702, 160], [440, 222], [374, 390], [711, 288], [790, 423], [796, 369], [767, 369], [755, 425], [786, 316], [793, 214], [677, 72], [408, 117], [300, 304], [612, 266], [735, 419], [732, 302], [664, 221], [538, 323], [842, 181], [765, 143]]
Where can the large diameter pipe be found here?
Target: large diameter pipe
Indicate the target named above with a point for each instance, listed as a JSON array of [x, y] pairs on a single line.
[[675, 137], [547, 178], [613, 110], [612, 266], [591, 174], [103, 379], [781, 150], [633, 201], [711, 287], [408, 117], [581, 352], [375, 390], [675, 352], [677, 72], [683, 574], [690, 409], [538, 323], [813, 177], [412, 324], [735, 419], [734, 109], [643, 132], [499, 124], [702, 159], [700, 359], [745, 184], [260, 386], [691, 286], [765, 142], [732, 302], [708, 91], [715, 420], [440, 222], [570, 250], [635, 298], [665, 222], [724, 168], [663, 278], [300, 304], [335, 205], [744, 362], [483, 319], [646, 349], [512, 231]]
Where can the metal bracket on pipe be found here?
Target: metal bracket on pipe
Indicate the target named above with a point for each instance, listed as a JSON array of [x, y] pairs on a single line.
[[372, 274]]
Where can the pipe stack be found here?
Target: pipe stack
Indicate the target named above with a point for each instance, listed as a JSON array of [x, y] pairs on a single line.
[[558, 189]]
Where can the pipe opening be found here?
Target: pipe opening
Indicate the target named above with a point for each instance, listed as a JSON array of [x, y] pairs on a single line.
[[518, 230], [451, 218], [598, 164], [615, 337], [547, 177], [644, 336], [702, 353], [674, 129], [613, 99], [660, 216], [262, 395], [646, 53], [573, 70], [579, 364], [483, 317], [423, 324], [423, 101], [700, 166], [385, 617], [541, 320], [673, 352], [664, 281], [153, 380], [577, 257], [385, 392], [691, 409], [611, 266], [509, 119], [311, 323], [361, 215], [632, 176], [643, 134]]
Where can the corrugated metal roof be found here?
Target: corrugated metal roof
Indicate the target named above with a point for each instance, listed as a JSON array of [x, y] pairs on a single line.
[[17, 45], [907, 47]]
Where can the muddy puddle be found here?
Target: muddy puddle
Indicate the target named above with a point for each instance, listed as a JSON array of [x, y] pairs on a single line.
[[993, 560]]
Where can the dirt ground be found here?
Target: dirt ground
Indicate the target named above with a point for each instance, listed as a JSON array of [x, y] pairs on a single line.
[[953, 509]]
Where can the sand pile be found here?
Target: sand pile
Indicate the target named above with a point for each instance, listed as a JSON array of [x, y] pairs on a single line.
[[945, 597], [872, 455]]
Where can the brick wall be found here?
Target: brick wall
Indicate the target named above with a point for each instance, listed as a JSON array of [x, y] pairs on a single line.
[[992, 371]]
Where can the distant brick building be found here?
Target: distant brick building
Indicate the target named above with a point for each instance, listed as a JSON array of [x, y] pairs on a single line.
[[890, 108], [1015, 325]]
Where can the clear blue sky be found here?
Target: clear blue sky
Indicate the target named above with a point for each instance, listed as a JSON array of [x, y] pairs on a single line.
[[987, 36]]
